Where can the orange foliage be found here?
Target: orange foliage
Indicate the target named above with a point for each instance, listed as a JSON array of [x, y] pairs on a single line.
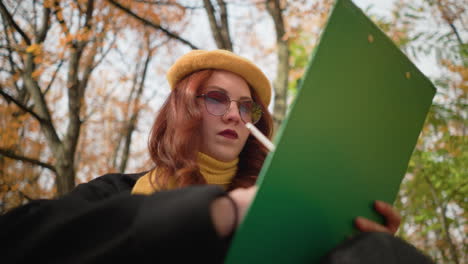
[[106, 105], [17, 132], [461, 71]]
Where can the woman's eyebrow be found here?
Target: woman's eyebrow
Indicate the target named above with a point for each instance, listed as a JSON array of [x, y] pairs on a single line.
[[218, 88], [226, 92]]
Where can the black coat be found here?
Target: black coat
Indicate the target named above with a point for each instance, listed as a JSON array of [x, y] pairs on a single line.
[[100, 221]]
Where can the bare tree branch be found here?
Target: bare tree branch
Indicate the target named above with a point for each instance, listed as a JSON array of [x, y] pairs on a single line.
[[10, 154], [20, 105], [219, 27], [455, 31], [131, 124], [104, 54], [152, 24], [101, 36], [59, 16], [168, 4], [210, 11], [7, 39], [9, 18], [75, 97], [23, 95], [449, 19], [45, 25], [54, 76], [40, 103], [10, 48], [457, 191], [83, 83], [34, 17], [75, 93], [89, 14], [224, 25], [94, 109], [41, 111], [232, 3], [249, 3], [281, 81], [443, 219], [78, 6], [125, 127]]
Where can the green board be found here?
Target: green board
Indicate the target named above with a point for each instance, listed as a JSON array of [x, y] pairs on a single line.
[[346, 142]]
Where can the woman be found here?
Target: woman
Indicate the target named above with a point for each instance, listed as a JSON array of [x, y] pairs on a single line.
[[201, 149]]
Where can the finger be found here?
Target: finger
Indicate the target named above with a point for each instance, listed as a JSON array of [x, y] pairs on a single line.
[[366, 225], [392, 217], [243, 197]]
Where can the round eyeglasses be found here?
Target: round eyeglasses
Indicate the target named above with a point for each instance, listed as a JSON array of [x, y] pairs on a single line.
[[218, 103]]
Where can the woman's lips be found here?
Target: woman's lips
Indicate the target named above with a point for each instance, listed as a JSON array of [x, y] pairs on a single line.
[[229, 133]]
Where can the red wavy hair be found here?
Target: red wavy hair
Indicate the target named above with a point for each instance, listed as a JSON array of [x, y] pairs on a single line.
[[174, 140]]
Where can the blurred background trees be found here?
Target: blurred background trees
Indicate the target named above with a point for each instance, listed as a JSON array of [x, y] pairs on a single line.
[[81, 82], [434, 195]]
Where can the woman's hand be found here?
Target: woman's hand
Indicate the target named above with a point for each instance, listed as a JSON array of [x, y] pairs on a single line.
[[392, 220], [222, 210], [243, 197]]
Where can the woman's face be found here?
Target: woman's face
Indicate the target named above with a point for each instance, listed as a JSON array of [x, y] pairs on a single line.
[[224, 137]]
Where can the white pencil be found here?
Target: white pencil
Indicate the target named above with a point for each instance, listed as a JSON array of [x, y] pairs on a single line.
[[259, 135]]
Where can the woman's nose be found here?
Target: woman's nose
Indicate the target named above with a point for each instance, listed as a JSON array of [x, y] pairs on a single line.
[[232, 114]]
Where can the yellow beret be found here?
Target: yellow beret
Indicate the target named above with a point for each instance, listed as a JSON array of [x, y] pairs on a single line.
[[223, 60]]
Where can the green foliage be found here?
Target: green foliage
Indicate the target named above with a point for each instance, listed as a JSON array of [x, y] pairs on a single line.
[[299, 57], [437, 33], [299, 54], [433, 198]]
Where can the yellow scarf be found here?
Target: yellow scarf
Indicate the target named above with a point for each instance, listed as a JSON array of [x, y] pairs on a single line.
[[214, 171]]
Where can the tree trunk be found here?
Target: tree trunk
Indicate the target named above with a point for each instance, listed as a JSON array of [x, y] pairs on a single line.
[[282, 74], [132, 122], [65, 179], [128, 141], [219, 27], [443, 220]]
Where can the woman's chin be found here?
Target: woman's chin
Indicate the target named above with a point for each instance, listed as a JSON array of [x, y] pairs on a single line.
[[225, 156]]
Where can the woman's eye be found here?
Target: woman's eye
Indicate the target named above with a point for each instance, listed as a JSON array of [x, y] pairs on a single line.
[[218, 100], [218, 97], [246, 107], [213, 99]]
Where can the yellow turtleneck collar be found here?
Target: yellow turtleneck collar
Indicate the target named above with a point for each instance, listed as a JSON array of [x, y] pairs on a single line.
[[214, 171]]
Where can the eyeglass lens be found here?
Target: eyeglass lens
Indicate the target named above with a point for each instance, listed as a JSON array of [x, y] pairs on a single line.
[[218, 103]]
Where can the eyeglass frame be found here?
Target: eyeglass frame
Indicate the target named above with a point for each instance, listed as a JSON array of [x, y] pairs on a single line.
[[229, 107]]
